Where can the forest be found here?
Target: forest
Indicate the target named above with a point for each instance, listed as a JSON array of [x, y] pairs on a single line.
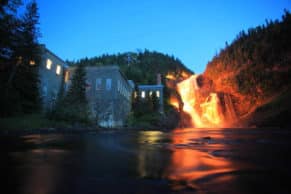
[[255, 68], [19, 54]]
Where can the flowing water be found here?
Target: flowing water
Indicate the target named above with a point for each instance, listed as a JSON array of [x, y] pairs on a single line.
[[145, 162]]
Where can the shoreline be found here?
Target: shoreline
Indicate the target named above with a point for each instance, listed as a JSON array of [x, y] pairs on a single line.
[[80, 130]]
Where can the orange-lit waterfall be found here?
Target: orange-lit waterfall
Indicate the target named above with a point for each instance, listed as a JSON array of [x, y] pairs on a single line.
[[187, 89], [209, 113]]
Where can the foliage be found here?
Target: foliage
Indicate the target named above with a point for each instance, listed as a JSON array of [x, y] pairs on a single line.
[[141, 67], [19, 52], [276, 113], [256, 65], [29, 121], [73, 106]]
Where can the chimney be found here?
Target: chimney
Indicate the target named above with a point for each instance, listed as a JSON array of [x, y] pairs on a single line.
[[159, 80]]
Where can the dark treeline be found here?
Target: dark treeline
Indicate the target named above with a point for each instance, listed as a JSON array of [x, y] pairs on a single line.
[[141, 67], [19, 55], [257, 63]]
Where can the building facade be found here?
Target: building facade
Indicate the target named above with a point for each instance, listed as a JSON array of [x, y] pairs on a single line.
[[51, 72], [148, 90], [109, 95]]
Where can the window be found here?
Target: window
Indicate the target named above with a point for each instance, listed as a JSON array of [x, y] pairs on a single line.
[[108, 84], [58, 70], [32, 62], [143, 94], [158, 93], [48, 64], [88, 85], [98, 83], [151, 92], [67, 76], [118, 86]]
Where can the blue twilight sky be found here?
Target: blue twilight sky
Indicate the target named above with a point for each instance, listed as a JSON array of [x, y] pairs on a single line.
[[191, 30]]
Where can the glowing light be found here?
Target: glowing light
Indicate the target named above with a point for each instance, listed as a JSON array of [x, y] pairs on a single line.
[[158, 93], [58, 70], [143, 94], [170, 76], [48, 64], [32, 62], [174, 102], [67, 76], [185, 75]]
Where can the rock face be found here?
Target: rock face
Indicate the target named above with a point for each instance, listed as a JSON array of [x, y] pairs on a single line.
[[254, 72]]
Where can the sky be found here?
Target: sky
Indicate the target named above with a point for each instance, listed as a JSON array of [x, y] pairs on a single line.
[[191, 30]]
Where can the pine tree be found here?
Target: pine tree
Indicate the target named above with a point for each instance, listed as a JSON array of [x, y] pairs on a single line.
[[155, 102], [26, 78], [77, 90], [18, 52], [75, 104]]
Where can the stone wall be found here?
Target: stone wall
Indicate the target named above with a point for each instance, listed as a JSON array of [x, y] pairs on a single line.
[[109, 95], [50, 79]]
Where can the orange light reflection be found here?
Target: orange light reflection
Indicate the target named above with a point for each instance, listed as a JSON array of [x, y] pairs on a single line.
[[189, 164]]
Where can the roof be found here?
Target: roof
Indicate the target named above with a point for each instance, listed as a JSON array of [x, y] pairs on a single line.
[[53, 54], [107, 67], [150, 86]]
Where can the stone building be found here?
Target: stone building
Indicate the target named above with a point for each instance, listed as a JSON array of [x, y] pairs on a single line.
[[51, 72], [109, 95], [148, 90], [108, 91]]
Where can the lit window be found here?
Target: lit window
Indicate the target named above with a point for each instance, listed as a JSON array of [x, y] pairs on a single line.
[[58, 70], [108, 84], [98, 83], [48, 64], [143, 94], [67, 76], [135, 94], [151, 92], [158, 93], [32, 62]]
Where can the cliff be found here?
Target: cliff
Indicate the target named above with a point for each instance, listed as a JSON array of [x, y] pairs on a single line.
[[255, 71]]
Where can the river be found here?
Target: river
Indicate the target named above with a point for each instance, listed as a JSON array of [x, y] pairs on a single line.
[[234, 161]]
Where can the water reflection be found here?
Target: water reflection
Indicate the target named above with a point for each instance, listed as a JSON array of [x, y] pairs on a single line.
[[189, 160], [183, 160], [183, 156], [151, 157]]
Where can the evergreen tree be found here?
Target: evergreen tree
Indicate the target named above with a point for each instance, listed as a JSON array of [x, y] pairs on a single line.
[[77, 90], [75, 105], [155, 102], [19, 54], [26, 79]]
